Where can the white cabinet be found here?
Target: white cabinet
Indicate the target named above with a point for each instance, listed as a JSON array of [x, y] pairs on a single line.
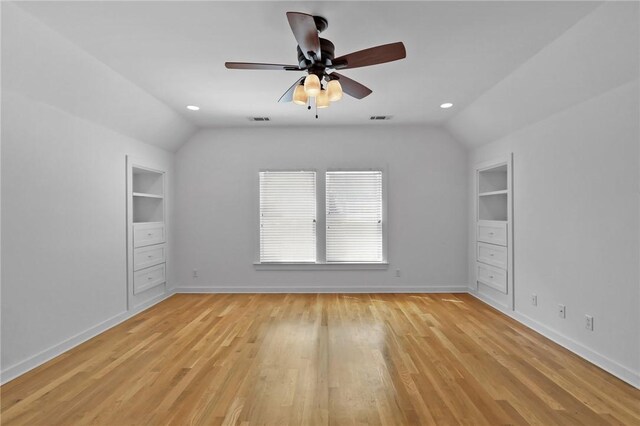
[[146, 231], [493, 277], [144, 257], [148, 278], [494, 231], [492, 254], [145, 234]]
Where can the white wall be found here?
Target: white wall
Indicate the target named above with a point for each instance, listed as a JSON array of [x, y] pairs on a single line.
[[576, 226], [216, 187], [63, 197]]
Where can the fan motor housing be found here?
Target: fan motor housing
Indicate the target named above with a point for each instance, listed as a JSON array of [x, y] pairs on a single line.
[[327, 52]]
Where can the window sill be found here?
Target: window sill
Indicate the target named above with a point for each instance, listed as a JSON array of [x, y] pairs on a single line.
[[320, 266]]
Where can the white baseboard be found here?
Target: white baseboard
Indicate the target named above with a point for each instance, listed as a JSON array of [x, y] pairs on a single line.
[[323, 289], [28, 364], [599, 360]]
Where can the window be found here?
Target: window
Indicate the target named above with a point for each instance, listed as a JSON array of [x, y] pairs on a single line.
[[287, 216], [351, 234], [354, 216]]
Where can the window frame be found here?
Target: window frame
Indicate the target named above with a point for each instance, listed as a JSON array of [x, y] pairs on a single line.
[[321, 225]]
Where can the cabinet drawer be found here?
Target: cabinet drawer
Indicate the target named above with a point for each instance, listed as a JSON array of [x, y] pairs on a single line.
[[491, 276], [493, 232], [144, 279], [148, 256], [146, 234], [492, 254]]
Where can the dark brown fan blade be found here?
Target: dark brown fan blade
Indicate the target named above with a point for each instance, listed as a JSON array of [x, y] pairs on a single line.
[[372, 56], [306, 34], [351, 87], [257, 66], [288, 95]]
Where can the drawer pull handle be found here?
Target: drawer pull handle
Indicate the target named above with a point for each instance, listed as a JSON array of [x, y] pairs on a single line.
[[149, 233], [150, 256], [490, 233], [490, 276], [490, 254], [150, 278]]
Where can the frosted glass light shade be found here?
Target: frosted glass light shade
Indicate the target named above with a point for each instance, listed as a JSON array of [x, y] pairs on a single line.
[[334, 90], [299, 95], [312, 85], [322, 100]]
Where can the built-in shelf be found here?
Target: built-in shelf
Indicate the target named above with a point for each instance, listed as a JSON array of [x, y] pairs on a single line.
[[485, 194], [494, 243], [148, 182], [148, 209], [148, 194], [493, 193], [146, 235], [493, 179], [493, 207], [142, 194]]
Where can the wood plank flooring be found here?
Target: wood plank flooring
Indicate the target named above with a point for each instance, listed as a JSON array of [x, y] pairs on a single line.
[[297, 359]]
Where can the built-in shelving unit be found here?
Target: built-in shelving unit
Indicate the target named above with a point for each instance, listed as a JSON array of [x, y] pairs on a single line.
[[147, 251], [494, 243]]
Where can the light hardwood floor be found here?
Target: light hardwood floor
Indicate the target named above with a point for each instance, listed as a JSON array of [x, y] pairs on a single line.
[[319, 359]]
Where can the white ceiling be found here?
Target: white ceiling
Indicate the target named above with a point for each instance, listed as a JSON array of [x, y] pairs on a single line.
[[176, 51]]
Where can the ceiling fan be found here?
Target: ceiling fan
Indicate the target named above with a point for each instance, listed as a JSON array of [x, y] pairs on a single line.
[[316, 58]]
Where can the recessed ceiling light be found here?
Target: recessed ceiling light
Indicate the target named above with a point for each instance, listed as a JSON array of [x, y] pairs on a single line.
[[193, 107], [446, 105]]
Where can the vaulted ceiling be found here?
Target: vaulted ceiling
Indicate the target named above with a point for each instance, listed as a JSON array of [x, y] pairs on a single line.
[[459, 52]]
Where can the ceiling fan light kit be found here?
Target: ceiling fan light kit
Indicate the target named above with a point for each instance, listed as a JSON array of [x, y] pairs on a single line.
[[322, 100], [312, 85], [334, 90], [316, 58], [300, 97]]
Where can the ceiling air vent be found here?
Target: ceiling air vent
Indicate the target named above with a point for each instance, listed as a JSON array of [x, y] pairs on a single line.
[[380, 117], [259, 119]]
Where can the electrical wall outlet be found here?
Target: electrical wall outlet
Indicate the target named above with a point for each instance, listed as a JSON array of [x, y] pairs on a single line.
[[534, 299], [588, 323], [195, 273], [397, 272], [562, 311]]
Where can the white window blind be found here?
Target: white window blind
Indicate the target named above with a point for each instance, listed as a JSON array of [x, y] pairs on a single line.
[[354, 216], [288, 216]]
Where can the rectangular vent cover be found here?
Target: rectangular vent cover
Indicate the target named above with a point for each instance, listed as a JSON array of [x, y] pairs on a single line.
[[380, 117], [259, 119]]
